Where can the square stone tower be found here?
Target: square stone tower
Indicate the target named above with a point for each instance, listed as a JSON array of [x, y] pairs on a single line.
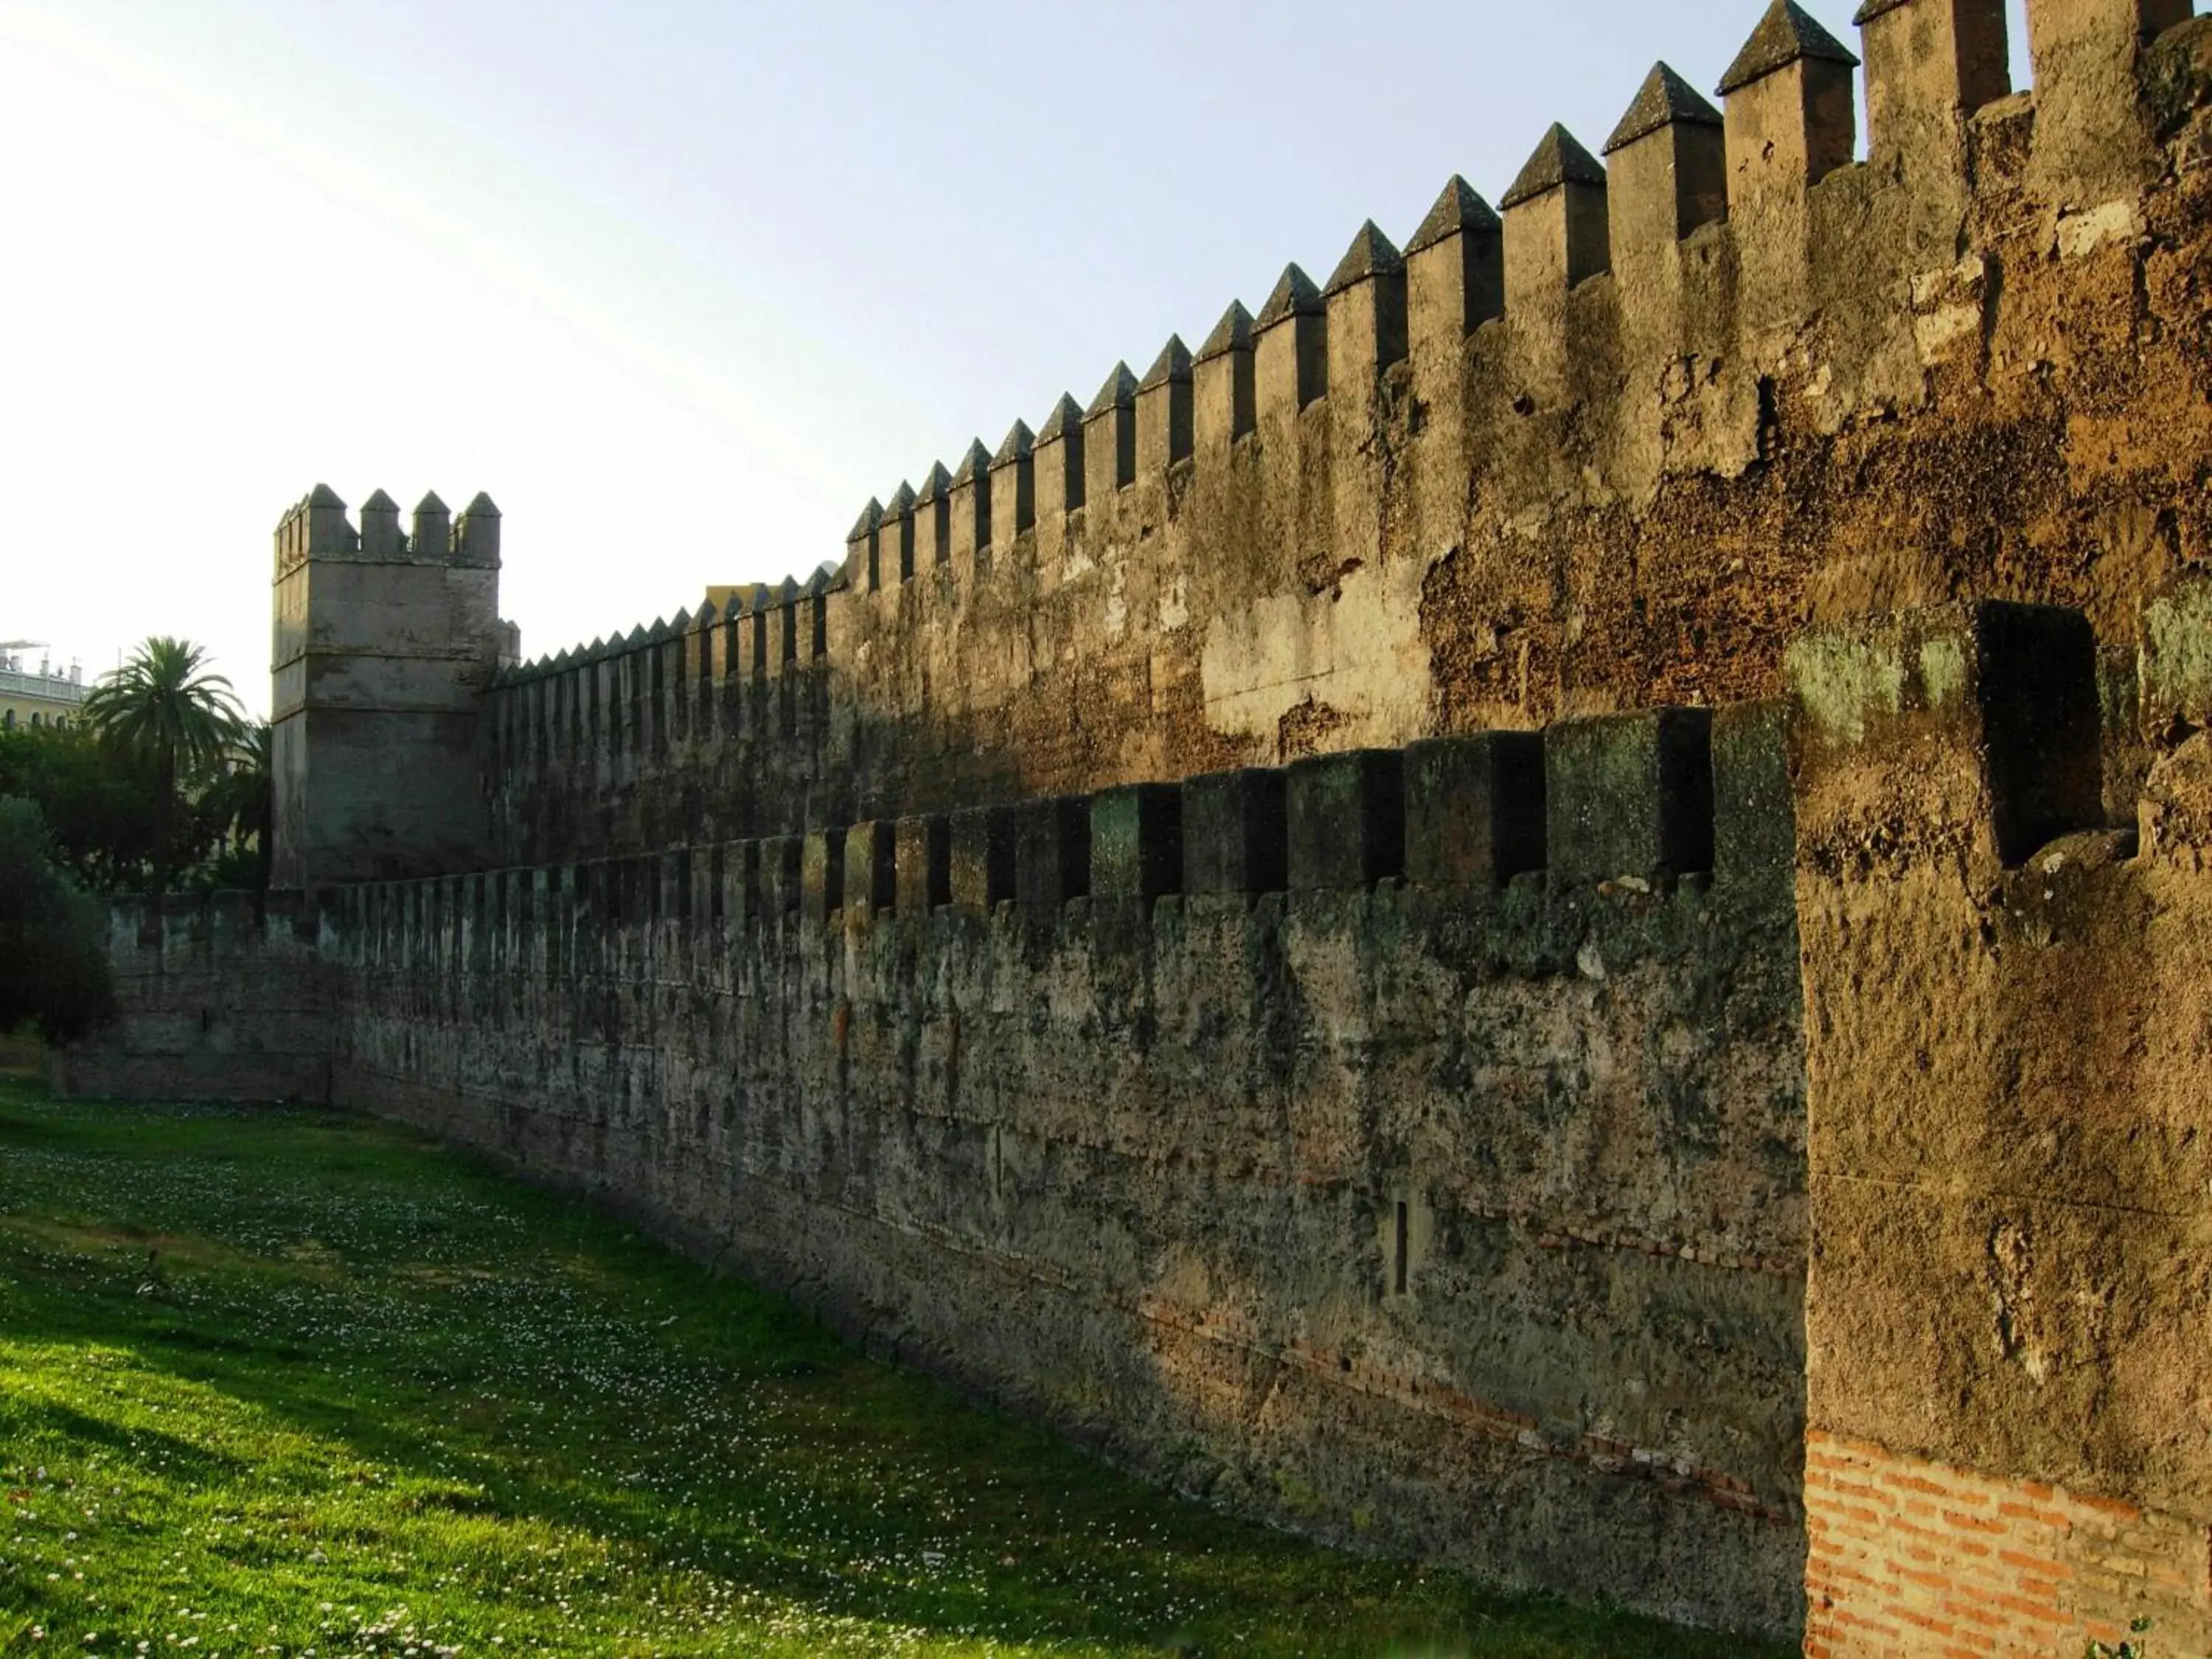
[[385, 646]]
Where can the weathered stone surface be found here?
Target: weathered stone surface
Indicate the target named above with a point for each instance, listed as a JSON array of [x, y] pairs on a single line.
[[1474, 809], [2006, 1020], [1601, 1318], [1136, 842], [1407, 1211], [1235, 833], [1630, 796], [1346, 819]]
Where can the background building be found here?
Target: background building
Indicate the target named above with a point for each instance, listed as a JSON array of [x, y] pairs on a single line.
[[51, 695]]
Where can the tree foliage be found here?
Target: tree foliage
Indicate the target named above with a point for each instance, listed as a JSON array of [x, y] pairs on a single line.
[[235, 810], [101, 785], [53, 947], [98, 804], [164, 709]]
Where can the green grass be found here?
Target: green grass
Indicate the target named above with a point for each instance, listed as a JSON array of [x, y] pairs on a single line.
[[291, 1382]]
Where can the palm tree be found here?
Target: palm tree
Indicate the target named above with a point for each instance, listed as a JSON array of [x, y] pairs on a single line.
[[162, 705], [237, 800]]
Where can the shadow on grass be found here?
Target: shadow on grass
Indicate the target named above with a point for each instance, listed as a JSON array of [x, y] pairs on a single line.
[[547, 1366]]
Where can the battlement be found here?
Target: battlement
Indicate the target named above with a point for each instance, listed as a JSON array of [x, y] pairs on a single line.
[[1368, 880], [317, 527], [1601, 448], [1447, 441], [1675, 165], [1626, 806]]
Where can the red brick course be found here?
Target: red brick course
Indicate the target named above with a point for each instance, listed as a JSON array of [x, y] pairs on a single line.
[[1909, 1558]]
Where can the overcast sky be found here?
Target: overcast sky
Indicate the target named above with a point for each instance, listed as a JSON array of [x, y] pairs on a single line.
[[680, 284]]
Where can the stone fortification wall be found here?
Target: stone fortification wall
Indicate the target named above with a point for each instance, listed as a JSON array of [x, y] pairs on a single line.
[[1271, 1131], [223, 998], [1608, 448], [1410, 1142], [2008, 1041]]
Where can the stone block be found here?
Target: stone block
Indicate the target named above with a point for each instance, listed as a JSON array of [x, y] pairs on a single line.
[[981, 857], [1754, 817], [1052, 851], [870, 865], [779, 869], [1223, 395], [1929, 62], [1234, 833], [1629, 796], [1556, 226], [821, 873], [1136, 841], [1474, 809], [1346, 816], [923, 856]]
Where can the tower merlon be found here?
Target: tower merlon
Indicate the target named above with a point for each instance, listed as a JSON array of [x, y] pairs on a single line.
[[1222, 396], [864, 547], [1109, 436], [1455, 272], [379, 527], [1557, 234], [1667, 167], [932, 518], [1289, 348], [1059, 469], [1790, 118], [897, 552], [971, 503], [2094, 136], [1365, 305], [1163, 409], [1929, 64], [1013, 484]]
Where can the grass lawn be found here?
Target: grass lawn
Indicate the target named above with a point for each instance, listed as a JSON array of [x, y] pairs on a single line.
[[290, 1382]]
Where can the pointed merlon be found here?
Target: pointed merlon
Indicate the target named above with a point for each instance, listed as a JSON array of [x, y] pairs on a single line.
[[939, 483], [872, 515], [1066, 417], [1664, 100], [1559, 160], [1019, 441], [681, 622], [901, 504], [1120, 391], [1294, 296], [1172, 364], [379, 502], [1784, 36], [323, 495], [824, 580], [431, 503], [1233, 333], [1371, 254], [483, 506], [1458, 210], [975, 464], [636, 636]]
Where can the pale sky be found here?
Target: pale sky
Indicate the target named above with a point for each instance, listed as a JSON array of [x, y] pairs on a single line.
[[680, 284]]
